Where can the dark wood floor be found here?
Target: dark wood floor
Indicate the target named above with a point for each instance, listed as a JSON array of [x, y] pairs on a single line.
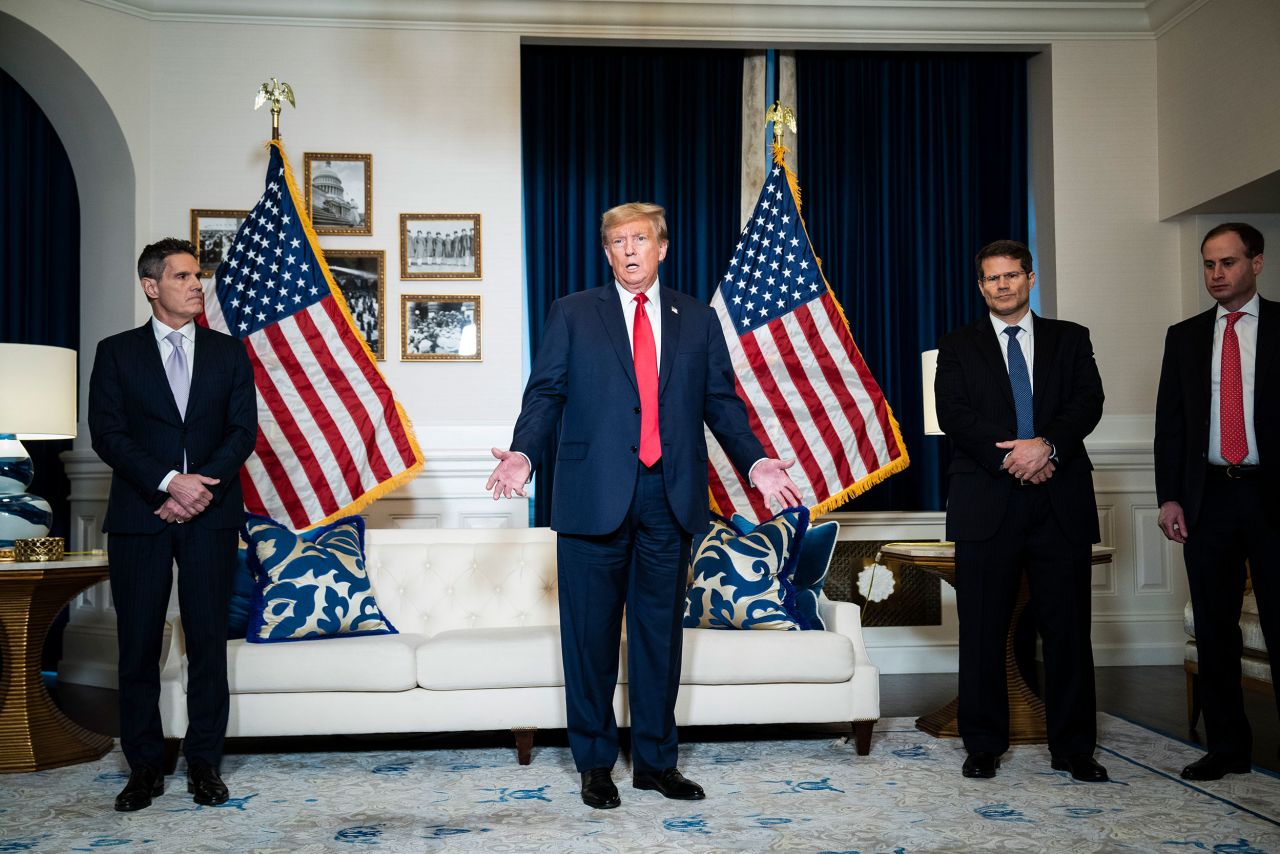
[[1152, 696]]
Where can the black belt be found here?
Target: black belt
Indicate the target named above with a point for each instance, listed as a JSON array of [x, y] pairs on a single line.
[[1237, 472]]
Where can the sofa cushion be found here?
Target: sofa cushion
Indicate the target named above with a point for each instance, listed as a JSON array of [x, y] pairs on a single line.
[[752, 658], [514, 657], [310, 585], [817, 547], [367, 663], [242, 589], [743, 581]]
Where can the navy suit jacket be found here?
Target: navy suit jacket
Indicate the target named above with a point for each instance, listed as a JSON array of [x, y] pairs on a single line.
[[584, 379], [975, 410], [137, 431], [1184, 401]]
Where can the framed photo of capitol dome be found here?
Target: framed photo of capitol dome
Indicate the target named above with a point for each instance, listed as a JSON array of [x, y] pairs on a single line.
[[439, 246], [339, 191]]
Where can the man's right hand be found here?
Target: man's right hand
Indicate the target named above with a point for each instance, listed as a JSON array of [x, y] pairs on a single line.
[[1173, 522], [172, 511], [189, 491], [510, 475]]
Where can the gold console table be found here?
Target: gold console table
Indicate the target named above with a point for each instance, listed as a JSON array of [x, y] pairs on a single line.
[[1026, 709], [34, 733]]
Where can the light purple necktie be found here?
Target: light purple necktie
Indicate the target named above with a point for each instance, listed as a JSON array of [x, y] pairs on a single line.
[[175, 367]]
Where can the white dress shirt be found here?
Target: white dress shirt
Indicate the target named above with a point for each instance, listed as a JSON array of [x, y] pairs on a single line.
[[1026, 340], [162, 332], [1247, 334]]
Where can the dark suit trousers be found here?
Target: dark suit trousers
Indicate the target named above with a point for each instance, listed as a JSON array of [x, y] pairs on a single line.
[[988, 574], [141, 579], [644, 566], [1231, 528]]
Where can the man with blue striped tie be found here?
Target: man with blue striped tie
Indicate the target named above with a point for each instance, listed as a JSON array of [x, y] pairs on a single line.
[[1017, 394]]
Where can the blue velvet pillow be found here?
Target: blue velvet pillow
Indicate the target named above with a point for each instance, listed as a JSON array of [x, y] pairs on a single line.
[[242, 587], [743, 581], [310, 585], [816, 549]]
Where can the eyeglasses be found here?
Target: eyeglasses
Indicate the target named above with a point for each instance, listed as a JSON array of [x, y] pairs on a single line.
[[1010, 277]]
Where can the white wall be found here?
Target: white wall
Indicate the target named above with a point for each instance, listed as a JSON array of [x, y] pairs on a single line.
[[438, 108]]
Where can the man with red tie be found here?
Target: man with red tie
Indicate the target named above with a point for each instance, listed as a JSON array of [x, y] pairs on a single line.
[[629, 373], [1216, 449]]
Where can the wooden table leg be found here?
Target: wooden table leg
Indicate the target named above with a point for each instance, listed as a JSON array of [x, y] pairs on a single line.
[[34, 733]]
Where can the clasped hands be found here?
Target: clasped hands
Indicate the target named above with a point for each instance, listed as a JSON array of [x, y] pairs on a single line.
[[1028, 459], [188, 497]]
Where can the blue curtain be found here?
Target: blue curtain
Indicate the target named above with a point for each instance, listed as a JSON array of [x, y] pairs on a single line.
[[909, 164], [40, 284], [604, 126]]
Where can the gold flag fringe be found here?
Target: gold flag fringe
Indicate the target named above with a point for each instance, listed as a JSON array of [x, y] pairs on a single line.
[[398, 480]]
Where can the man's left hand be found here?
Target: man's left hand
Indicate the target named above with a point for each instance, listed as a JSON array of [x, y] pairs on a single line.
[[1026, 456], [172, 511], [771, 478]]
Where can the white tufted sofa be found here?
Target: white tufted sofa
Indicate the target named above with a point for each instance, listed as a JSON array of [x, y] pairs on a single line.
[[479, 649]]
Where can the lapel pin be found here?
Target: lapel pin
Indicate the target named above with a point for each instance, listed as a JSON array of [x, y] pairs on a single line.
[[675, 310]]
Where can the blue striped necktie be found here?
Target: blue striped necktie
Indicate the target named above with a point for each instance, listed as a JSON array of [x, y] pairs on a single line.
[[1020, 380]]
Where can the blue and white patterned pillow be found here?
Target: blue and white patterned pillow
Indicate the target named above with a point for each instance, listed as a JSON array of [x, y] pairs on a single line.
[[817, 547], [310, 585], [743, 581]]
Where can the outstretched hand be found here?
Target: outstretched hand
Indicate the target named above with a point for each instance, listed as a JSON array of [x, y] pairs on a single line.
[[509, 476], [771, 478]]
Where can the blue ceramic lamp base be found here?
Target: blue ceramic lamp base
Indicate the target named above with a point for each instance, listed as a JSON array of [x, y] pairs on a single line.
[[22, 514]]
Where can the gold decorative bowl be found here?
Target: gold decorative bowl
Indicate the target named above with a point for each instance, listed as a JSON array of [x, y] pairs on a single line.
[[6, 555], [39, 548]]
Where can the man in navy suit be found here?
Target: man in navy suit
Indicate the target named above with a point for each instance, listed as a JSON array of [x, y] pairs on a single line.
[[629, 373], [173, 412], [1218, 481], [1017, 394]]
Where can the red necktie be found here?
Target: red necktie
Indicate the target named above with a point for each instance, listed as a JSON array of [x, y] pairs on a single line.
[[1231, 396], [645, 356]]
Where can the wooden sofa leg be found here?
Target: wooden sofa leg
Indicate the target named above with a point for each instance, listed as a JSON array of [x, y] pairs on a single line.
[[862, 736], [170, 756], [524, 743]]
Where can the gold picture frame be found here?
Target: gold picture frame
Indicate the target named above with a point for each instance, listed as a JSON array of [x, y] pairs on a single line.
[[440, 328], [339, 192], [212, 232], [440, 246], [361, 275]]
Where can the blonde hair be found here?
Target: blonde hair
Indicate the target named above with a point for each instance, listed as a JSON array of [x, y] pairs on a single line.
[[616, 216]]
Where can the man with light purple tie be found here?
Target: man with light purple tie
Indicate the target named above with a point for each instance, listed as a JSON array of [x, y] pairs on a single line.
[[173, 412]]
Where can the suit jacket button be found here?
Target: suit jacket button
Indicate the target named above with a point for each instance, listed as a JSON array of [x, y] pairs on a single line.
[[634, 449], [636, 410]]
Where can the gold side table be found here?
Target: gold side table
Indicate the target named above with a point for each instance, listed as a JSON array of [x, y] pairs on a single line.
[[1026, 709], [34, 733]]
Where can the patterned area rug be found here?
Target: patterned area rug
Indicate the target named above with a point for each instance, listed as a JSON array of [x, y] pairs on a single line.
[[813, 795]]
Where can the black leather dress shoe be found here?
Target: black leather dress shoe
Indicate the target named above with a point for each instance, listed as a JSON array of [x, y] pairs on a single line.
[[980, 765], [207, 787], [670, 783], [598, 791], [1083, 767], [144, 784], [1214, 766]]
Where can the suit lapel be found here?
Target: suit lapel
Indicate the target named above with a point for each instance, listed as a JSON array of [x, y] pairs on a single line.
[[200, 368], [153, 368], [1044, 347], [615, 327], [1265, 356], [989, 349], [670, 337], [1201, 358]]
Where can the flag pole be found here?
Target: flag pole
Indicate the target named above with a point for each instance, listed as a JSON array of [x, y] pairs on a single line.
[[275, 92]]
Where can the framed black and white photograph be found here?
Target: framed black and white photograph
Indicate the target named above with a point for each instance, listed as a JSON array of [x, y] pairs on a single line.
[[439, 246], [340, 192], [361, 276], [440, 327], [212, 232]]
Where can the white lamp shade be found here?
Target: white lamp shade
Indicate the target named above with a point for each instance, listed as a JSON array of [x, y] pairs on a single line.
[[929, 367], [37, 391]]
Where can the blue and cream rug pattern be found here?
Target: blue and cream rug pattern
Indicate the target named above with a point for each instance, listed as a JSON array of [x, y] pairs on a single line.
[[810, 795]]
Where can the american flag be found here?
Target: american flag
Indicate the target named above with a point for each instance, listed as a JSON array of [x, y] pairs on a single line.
[[809, 394], [331, 437]]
